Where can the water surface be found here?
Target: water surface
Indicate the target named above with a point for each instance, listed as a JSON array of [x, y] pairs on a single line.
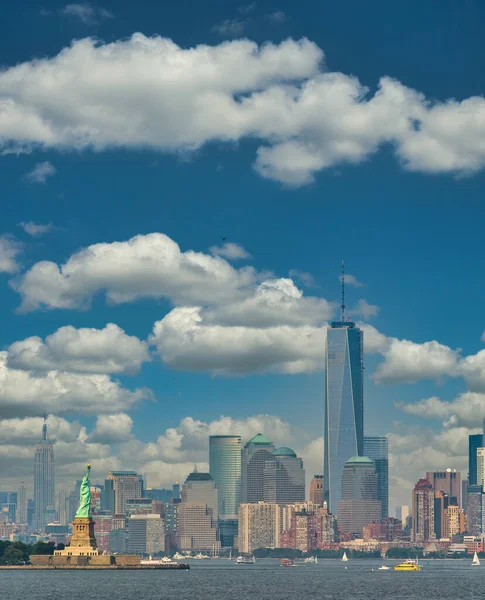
[[266, 580]]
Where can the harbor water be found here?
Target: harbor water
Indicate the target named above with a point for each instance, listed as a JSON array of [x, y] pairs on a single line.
[[266, 580]]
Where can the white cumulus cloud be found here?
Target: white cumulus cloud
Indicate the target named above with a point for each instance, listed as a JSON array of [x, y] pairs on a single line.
[[147, 92], [25, 394], [85, 350], [10, 248]]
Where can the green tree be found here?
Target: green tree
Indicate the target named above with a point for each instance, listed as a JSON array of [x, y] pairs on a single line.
[[43, 548]]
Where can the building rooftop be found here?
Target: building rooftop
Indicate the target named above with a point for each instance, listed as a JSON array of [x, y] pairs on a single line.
[[284, 451], [259, 439], [360, 460], [196, 476]]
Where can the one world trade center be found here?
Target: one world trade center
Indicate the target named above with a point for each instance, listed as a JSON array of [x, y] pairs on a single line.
[[344, 402]]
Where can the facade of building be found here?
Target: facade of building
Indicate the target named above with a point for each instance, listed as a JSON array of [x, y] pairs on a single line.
[[254, 456], [447, 482], [326, 526], [44, 480], [225, 470], [385, 530], [423, 529], [402, 513], [146, 534], [474, 510], [259, 526], [302, 534], [103, 525], [481, 466], [196, 529], [138, 506], [453, 521], [359, 505], [377, 448], [21, 514], [200, 488], [474, 442], [316, 490], [344, 404], [283, 478], [119, 487]]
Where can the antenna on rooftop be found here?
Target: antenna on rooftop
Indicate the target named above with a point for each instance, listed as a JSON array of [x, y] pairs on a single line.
[[44, 428], [342, 306]]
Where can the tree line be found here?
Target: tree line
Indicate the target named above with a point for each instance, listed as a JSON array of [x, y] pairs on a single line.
[[18, 553]]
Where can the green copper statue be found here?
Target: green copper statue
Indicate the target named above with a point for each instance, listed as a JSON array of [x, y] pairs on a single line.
[[84, 509]]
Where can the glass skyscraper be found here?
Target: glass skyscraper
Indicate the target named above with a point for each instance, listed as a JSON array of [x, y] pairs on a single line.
[[377, 448], [284, 478], [474, 442], [254, 456], [225, 469], [344, 404]]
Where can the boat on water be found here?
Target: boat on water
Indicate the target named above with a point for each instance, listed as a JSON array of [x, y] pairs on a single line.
[[345, 557], [383, 568], [287, 562], [408, 565], [178, 556], [312, 560], [245, 559], [201, 556], [475, 561], [163, 562]]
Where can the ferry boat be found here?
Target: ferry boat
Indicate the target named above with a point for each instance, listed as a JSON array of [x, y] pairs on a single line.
[[162, 563], [311, 559], [245, 559], [287, 562], [408, 565]]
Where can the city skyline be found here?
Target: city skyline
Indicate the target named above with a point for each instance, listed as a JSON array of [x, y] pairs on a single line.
[[169, 257]]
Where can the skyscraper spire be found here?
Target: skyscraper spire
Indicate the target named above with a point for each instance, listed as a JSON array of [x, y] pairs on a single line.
[[342, 306], [44, 428]]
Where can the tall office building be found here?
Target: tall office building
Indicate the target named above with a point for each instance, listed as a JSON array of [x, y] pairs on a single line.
[[200, 488], [119, 487], [316, 490], [377, 448], [21, 515], [259, 526], [447, 482], [344, 402], [423, 512], [44, 480], [146, 534], [254, 456], [474, 442], [474, 512], [359, 504], [225, 470], [480, 467], [284, 478]]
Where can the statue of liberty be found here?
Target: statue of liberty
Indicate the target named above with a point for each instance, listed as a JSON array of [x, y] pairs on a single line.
[[84, 509]]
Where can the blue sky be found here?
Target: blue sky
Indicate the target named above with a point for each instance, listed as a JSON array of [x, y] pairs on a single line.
[[395, 187]]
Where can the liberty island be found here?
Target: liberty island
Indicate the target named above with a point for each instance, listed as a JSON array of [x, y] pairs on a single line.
[[82, 551]]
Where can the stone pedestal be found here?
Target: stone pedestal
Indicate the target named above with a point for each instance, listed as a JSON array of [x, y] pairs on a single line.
[[83, 542]]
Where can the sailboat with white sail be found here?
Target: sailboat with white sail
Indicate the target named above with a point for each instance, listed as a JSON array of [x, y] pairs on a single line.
[[475, 561], [344, 557]]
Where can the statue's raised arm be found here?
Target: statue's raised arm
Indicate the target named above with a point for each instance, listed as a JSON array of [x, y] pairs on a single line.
[[84, 509]]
